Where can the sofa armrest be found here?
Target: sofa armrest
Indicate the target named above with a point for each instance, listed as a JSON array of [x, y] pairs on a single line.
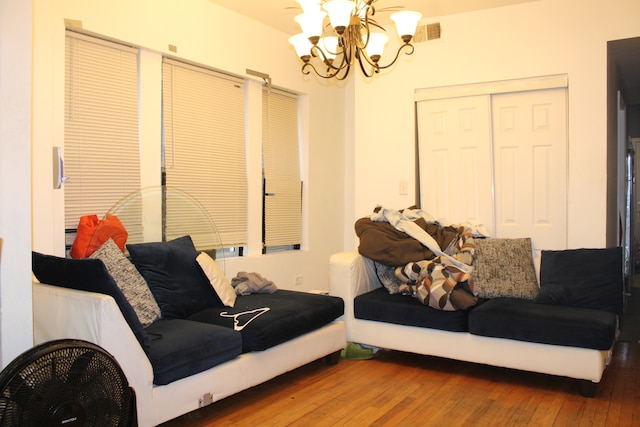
[[60, 313], [350, 275]]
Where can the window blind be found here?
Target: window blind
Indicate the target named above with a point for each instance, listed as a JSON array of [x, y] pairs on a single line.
[[101, 143], [281, 169], [205, 149]]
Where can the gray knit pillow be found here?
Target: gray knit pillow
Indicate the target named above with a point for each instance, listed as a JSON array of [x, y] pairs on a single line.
[[130, 282], [504, 268]]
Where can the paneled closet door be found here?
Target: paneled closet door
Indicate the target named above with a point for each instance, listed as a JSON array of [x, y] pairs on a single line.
[[530, 155], [455, 160]]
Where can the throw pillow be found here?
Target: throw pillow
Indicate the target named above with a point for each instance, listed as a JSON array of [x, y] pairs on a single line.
[[86, 274], [176, 280], [218, 280], [130, 282], [588, 278], [504, 268], [387, 277]]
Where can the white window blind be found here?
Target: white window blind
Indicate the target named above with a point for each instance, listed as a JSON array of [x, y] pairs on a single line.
[[101, 143], [204, 147], [281, 169]]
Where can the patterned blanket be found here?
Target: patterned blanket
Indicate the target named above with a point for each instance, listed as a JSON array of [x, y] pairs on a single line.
[[439, 283]]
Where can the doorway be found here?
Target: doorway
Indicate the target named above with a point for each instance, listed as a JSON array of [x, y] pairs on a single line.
[[624, 80]]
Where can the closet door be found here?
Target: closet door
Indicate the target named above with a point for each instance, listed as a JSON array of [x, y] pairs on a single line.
[[530, 155], [455, 161]]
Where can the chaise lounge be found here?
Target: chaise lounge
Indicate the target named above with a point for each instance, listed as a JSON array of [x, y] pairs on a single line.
[[202, 349]]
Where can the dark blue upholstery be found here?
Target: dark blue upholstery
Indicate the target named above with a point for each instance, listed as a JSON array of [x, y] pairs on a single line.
[[587, 278], [525, 320], [180, 348], [400, 309], [290, 315], [175, 278]]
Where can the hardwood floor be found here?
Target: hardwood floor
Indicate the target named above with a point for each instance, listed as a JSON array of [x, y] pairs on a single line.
[[403, 389]]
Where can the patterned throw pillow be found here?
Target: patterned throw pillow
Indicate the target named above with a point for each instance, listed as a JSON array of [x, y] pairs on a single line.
[[130, 282], [504, 268]]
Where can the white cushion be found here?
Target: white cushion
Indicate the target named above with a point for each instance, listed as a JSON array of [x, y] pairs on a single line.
[[218, 280]]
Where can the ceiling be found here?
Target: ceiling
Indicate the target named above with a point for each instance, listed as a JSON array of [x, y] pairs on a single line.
[[279, 14]]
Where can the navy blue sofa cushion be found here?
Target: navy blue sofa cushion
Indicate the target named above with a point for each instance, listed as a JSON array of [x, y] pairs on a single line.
[[587, 278], [175, 278], [400, 309], [525, 320], [86, 274], [289, 315], [180, 348]]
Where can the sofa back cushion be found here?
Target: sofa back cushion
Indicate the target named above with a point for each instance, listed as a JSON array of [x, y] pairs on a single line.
[[87, 274], [587, 278], [175, 278]]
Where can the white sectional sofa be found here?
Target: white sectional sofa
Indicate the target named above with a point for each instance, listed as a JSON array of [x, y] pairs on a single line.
[[68, 313], [352, 275]]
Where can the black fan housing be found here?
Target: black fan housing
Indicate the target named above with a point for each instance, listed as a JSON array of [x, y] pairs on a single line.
[[66, 383]]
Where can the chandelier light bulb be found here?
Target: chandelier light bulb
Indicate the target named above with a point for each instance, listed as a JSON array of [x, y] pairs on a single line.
[[406, 22], [311, 24], [329, 46], [309, 5], [339, 13], [376, 44], [302, 46]]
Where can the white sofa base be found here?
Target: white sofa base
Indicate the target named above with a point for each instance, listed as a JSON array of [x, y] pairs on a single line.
[[65, 313], [352, 275]]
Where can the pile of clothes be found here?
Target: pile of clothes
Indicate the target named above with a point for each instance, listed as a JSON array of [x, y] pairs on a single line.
[[407, 247]]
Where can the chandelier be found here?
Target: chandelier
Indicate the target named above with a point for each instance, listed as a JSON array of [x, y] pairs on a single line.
[[352, 36]]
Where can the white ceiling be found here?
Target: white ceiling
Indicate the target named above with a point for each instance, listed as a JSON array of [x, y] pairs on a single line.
[[279, 13]]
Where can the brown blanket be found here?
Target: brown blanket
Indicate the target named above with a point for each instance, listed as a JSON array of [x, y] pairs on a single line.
[[382, 242]]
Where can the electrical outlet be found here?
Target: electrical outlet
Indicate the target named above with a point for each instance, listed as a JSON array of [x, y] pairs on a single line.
[[298, 280]]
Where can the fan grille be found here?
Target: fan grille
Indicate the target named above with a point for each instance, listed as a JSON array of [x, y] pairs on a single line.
[[68, 383]]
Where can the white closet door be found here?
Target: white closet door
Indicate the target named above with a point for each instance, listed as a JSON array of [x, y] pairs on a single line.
[[530, 154], [455, 160]]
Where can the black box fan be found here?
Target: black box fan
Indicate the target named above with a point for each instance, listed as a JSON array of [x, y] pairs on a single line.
[[66, 383]]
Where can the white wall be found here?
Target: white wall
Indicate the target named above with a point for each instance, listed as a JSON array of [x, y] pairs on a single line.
[[210, 35], [527, 40], [15, 180]]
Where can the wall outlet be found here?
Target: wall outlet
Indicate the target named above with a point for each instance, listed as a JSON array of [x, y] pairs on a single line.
[[298, 280]]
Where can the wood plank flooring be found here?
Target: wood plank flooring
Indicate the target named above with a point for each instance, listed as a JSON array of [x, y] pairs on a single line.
[[403, 389]]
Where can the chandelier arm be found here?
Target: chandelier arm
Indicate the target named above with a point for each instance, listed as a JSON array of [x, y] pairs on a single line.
[[374, 67], [327, 62], [317, 52], [406, 45], [345, 74], [328, 75], [368, 31]]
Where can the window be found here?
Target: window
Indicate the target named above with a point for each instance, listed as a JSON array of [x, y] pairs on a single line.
[[204, 144], [101, 143], [282, 211]]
